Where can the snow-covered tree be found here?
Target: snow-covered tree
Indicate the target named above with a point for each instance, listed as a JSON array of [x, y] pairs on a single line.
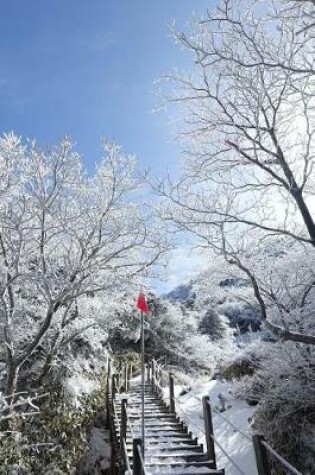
[[63, 236], [249, 123]]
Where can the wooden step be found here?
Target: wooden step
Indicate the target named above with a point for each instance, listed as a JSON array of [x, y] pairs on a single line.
[[169, 448], [159, 425], [178, 442], [177, 458], [185, 470], [148, 414], [165, 435], [187, 449], [158, 430], [178, 464], [154, 425]]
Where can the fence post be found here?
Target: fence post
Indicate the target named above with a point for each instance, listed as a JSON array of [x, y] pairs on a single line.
[[148, 372], [126, 377], [261, 454], [123, 426], [107, 360], [118, 380], [109, 371], [113, 387], [172, 397], [153, 376], [137, 465], [158, 380], [108, 392], [207, 414]]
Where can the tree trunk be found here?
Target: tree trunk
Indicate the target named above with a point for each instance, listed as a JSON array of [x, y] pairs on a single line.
[[306, 215], [11, 380]]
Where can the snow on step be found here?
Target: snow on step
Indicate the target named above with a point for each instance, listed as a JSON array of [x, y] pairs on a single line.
[[177, 458], [164, 444], [169, 447], [175, 452], [180, 471], [184, 468]]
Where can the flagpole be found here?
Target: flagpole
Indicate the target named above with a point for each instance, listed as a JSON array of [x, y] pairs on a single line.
[[142, 382]]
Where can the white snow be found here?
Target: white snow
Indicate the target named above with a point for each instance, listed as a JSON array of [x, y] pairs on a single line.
[[237, 445]]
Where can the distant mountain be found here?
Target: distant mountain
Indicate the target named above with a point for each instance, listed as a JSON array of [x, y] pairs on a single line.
[[182, 293], [241, 315], [234, 282]]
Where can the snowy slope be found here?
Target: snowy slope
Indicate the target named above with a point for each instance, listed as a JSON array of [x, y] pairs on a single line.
[[236, 444]]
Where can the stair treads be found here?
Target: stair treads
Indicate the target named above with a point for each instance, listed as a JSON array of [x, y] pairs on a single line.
[[169, 448]]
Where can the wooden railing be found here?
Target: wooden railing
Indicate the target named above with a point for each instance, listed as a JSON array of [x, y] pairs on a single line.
[[263, 451], [118, 378], [160, 376], [163, 385]]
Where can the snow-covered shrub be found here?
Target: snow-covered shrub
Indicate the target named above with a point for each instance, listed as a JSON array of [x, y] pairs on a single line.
[[222, 290], [212, 325], [172, 334], [53, 439], [239, 367], [283, 387], [241, 315]]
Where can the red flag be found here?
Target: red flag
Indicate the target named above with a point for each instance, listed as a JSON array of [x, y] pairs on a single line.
[[142, 303]]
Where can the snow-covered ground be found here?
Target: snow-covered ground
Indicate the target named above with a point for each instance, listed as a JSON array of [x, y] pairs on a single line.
[[231, 427]]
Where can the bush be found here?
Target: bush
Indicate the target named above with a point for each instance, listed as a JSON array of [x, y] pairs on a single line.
[[52, 441], [212, 325], [285, 414], [238, 368]]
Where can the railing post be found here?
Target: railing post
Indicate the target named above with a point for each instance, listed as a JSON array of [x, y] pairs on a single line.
[[207, 414], [158, 380], [148, 372], [113, 387], [153, 377], [172, 396], [107, 360], [108, 392], [126, 377], [118, 380], [137, 449], [123, 426], [261, 454], [109, 371]]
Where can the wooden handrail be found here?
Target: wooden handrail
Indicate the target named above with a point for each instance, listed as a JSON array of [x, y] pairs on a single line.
[[157, 376], [125, 452], [262, 448], [138, 462]]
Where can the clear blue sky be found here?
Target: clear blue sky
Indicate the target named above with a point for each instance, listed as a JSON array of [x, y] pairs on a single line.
[[86, 68]]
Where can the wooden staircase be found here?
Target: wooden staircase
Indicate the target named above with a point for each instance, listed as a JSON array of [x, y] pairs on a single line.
[[169, 447]]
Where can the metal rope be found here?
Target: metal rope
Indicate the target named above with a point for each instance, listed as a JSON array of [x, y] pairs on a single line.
[[192, 422], [213, 438], [227, 455], [225, 419], [231, 424], [284, 462]]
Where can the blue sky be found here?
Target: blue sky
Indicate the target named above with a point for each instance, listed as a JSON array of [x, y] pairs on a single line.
[[87, 68]]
